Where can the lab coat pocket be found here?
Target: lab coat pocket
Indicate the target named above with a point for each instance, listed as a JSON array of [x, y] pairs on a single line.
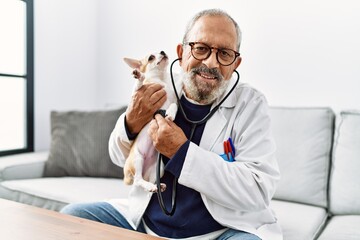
[[227, 157], [219, 149]]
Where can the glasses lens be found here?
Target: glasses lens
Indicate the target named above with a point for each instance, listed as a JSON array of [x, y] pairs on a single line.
[[200, 51], [226, 56]]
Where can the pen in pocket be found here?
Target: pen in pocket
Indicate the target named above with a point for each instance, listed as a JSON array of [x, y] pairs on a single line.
[[232, 147], [229, 151]]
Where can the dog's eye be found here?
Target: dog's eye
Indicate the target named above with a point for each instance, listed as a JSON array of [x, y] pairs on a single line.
[[152, 57]]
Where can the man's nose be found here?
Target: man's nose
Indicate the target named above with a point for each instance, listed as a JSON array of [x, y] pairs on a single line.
[[211, 61]]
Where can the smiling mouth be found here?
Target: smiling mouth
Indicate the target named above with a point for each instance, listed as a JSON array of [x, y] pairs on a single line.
[[207, 76]]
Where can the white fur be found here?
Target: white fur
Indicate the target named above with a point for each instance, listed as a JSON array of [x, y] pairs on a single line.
[[140, 166]]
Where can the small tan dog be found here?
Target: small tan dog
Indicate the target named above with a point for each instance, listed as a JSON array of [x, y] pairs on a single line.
[[140, 166]]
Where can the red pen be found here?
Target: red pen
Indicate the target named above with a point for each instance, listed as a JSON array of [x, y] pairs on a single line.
[[226, 150]]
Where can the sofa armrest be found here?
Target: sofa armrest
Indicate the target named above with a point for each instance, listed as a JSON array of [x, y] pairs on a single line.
[[23, 166]]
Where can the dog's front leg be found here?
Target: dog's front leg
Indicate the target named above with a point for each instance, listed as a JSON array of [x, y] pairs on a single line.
[[171, 111], [140, 78]]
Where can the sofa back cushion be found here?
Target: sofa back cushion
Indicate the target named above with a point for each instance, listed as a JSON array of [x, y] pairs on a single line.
[[345, 173], [304, 140], [79, 144]]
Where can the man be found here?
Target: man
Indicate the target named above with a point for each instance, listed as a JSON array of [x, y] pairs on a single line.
[[216, 199]]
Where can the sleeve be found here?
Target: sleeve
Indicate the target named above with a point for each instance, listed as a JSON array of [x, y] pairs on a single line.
[[119, 142], [247, 184], [131, 136], [175, 164]]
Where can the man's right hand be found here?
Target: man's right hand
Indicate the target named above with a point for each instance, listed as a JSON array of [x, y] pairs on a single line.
[[145, 102]]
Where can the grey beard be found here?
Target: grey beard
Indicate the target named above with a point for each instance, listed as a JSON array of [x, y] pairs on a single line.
[[202, 92]]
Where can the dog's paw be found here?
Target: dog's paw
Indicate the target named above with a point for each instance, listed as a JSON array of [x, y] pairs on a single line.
[[137, 74], [162, 187], [154, 189]]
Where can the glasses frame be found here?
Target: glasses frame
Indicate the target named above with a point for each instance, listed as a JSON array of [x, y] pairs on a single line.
[[191, 44]]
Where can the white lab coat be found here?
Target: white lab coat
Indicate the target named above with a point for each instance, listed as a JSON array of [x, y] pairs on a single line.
[[237, 194]]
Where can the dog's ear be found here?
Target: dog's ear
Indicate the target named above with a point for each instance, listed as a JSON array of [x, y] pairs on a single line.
[[133, 63]]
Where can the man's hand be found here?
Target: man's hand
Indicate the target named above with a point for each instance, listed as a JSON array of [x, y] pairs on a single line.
[[145, 102], [167, 137]]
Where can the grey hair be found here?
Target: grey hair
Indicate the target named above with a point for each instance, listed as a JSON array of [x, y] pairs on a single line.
[[212, 12]]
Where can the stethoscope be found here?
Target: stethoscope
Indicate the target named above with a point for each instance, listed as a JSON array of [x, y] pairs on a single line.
[[193, 127]]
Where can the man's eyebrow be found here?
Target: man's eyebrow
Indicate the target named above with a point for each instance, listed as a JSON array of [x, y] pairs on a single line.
[[212, 45]]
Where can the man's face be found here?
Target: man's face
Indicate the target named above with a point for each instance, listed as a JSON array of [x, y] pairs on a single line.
[[206, 79]]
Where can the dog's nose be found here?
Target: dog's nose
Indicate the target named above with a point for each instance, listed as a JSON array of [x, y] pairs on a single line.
[[163, 53]]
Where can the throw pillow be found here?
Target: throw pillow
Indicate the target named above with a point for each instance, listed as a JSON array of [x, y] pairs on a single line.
[[79, 144]]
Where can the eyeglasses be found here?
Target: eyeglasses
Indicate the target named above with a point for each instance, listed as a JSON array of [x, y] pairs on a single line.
[[201, 51]]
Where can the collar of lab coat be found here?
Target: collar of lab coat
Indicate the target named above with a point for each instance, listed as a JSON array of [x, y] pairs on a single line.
[[217, 123], [231, 100]]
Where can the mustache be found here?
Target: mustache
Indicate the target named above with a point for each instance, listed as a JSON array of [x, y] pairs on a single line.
[[212, 71]]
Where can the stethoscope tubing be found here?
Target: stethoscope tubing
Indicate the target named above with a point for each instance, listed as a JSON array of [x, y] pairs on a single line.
[[194, 125]]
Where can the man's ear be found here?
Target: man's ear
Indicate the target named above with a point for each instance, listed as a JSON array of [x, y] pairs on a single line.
[[179, 51], [237, 63], [133, 63]]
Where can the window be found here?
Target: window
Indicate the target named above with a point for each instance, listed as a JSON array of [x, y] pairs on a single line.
[[16, 77]]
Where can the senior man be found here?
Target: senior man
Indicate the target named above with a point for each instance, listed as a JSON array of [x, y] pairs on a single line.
[[219, 195]]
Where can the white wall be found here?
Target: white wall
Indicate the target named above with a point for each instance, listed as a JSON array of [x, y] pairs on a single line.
[[66, 63], [299, 53]]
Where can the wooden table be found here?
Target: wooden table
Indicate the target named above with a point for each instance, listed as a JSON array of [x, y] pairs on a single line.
[[24, 222]]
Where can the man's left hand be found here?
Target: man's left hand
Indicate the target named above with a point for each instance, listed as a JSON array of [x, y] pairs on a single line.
[[167, 137]]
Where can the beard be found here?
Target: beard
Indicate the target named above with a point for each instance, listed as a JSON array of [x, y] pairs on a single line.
[[204, 92]]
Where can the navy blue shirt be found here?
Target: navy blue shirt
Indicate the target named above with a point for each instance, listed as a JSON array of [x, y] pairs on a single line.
[[191, 217]]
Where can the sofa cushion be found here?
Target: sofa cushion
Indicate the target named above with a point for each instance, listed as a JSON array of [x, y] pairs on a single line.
[[79, 144], [54, 193], [299, 221], [342, 227], [345, 175], [23, 165], [304, 138]]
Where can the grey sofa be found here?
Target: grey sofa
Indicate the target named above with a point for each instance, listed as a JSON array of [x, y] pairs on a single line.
[[318, 196]]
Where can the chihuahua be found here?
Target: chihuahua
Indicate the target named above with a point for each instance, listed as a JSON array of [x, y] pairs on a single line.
[[140, 166]]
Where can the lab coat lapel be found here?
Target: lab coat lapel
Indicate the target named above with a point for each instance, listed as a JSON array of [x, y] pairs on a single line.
[[216, 124], [212, 130]]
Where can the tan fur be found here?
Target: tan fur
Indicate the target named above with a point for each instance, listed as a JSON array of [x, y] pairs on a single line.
[[129, 169], [152, 69]]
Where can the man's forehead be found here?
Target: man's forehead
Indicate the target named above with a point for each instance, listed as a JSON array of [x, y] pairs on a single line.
[[217, 31]]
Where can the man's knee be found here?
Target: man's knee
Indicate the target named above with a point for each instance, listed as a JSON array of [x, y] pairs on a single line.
[[79, 210], [99, 211]]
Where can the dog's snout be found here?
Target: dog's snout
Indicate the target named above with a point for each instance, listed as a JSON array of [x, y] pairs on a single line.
[[163, 53]]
